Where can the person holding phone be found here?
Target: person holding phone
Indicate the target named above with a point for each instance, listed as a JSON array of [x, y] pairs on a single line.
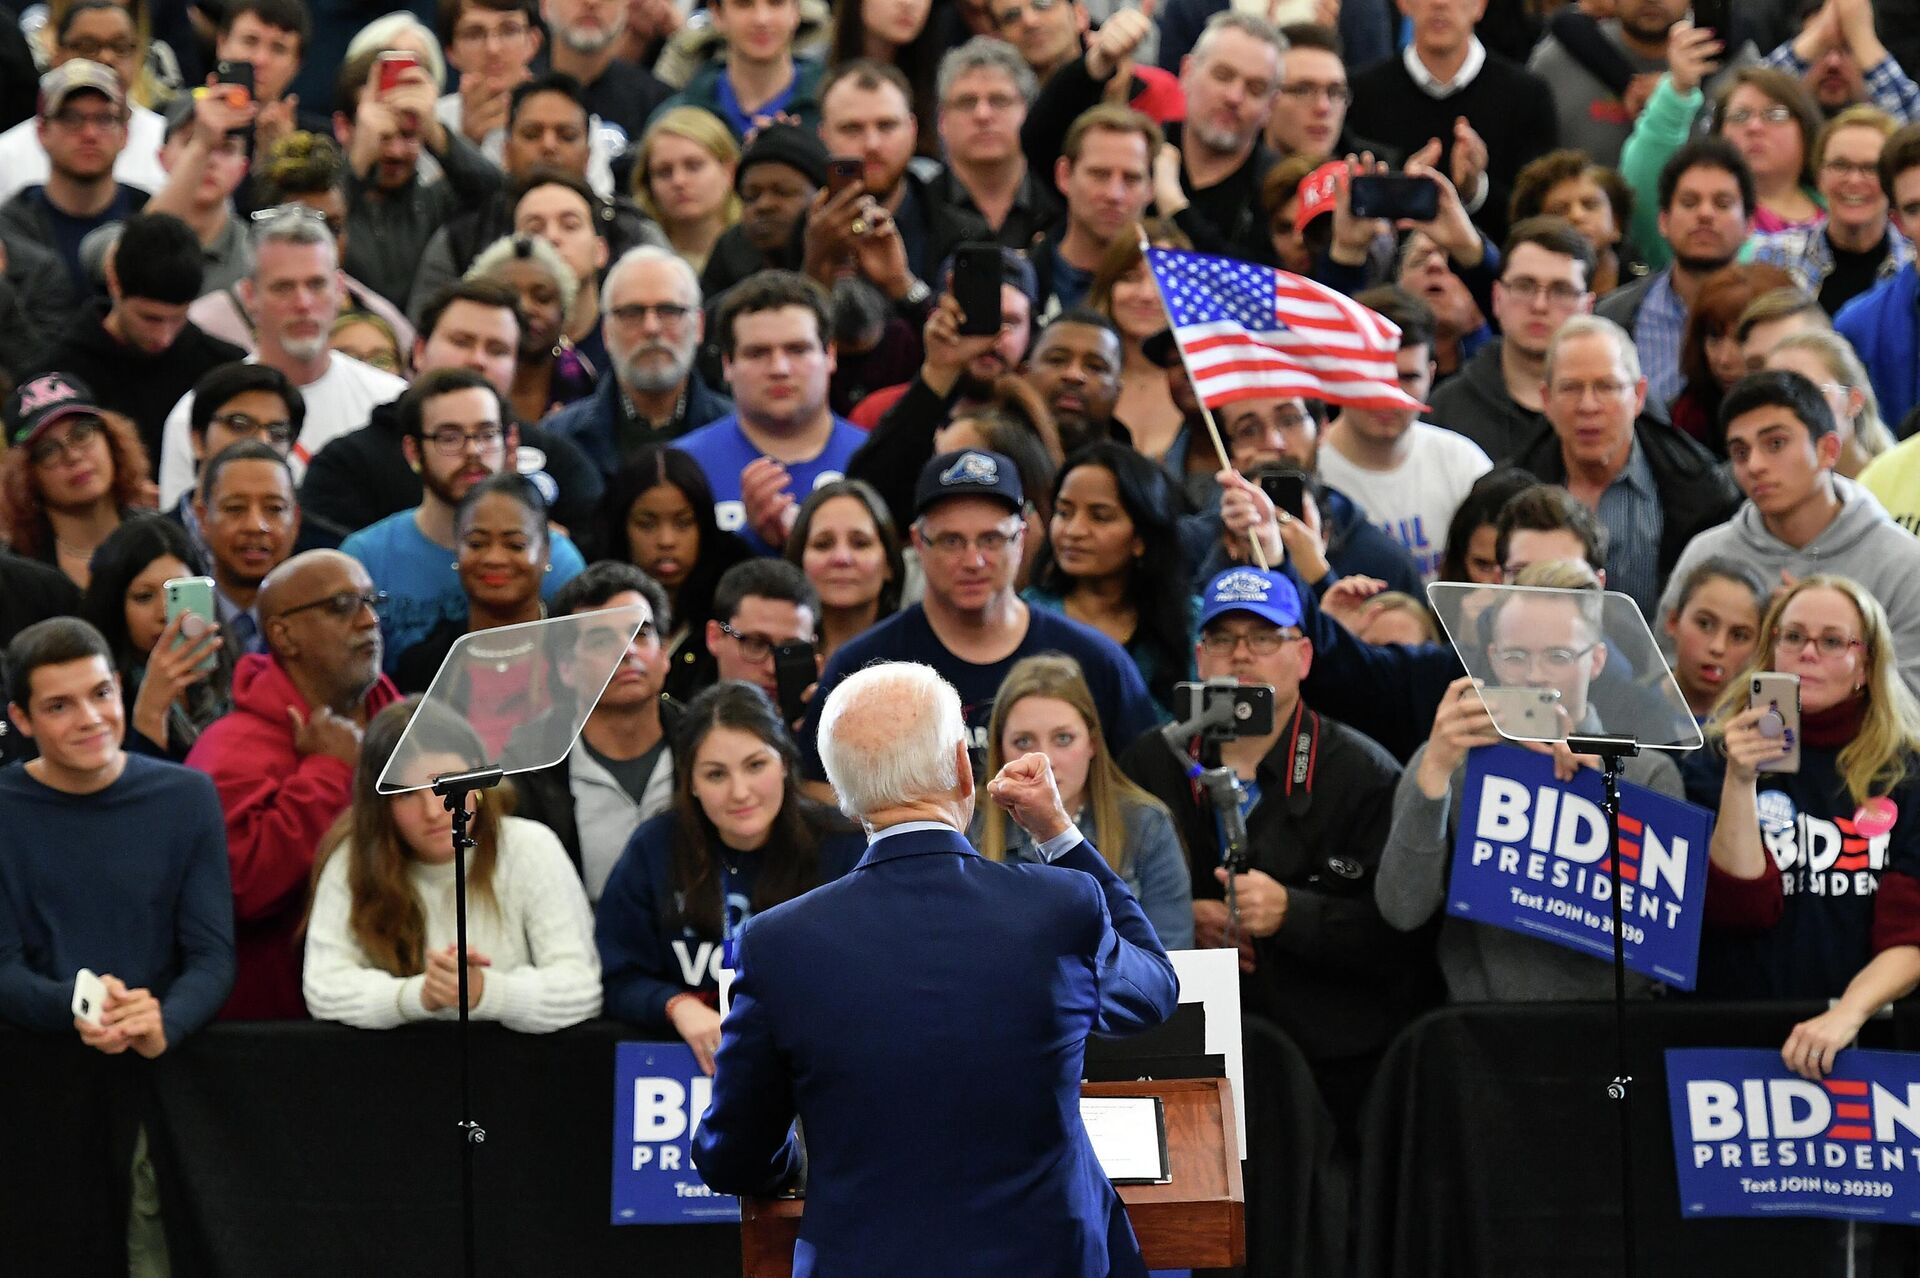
[[740, 839], [172, 686], [1813, 886], [761, 607]]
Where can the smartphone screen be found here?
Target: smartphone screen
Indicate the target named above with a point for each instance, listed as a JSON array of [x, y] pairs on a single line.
[[1394, 196], [1287, 490]]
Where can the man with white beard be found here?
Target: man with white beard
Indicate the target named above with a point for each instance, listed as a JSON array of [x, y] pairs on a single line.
[[653, 326], [293, 296]]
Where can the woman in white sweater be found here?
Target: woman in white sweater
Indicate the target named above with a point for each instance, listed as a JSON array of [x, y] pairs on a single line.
[[380, 947]]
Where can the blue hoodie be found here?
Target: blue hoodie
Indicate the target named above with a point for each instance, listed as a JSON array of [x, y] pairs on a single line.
[[1880, 324]]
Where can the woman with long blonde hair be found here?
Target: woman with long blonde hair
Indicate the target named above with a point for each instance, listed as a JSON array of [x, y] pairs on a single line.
[[683, 179], [380, 933], [1813, 886], [1045, 705]]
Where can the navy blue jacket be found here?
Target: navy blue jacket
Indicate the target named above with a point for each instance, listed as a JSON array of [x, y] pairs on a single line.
[[926, 1019], [588, 424]]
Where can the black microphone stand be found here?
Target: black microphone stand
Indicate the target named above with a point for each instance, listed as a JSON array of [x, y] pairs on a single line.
[[455, 789], [1611, 750]]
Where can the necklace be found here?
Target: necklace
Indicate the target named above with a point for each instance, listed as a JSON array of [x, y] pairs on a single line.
[[76, 552], [500, 657]]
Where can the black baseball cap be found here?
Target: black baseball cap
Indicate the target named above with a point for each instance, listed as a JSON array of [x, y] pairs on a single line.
[[48, 398], [971, 472]]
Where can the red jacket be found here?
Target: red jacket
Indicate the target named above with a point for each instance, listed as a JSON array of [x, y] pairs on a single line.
[[277, 803]]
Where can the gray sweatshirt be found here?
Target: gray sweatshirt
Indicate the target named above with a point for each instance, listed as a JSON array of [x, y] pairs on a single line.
[[1483, 963], [1862, 542]]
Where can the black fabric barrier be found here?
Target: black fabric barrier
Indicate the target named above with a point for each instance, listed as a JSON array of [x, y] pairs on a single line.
[[290, 1149]]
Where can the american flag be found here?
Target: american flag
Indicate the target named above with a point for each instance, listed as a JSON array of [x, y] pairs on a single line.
[[1253, 332]]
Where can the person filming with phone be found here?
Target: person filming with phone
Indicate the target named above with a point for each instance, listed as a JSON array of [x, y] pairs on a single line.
[[1813, 763]]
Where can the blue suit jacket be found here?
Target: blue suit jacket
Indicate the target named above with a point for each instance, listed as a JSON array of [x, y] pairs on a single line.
[[926, 1017]]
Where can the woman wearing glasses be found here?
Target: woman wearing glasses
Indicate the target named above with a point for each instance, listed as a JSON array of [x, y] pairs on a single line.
[[1813, 887], [741, 838], [381, 948], [70, 475]]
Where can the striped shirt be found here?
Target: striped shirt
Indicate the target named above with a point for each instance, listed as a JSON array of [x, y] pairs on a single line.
[[1657, 333], [1630, 510], [1805, 253]]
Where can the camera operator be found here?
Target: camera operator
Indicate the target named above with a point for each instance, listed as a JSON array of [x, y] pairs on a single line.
[[1316, 957]]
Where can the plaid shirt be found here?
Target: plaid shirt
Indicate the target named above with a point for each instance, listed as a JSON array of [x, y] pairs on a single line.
[[1805, 253], [1657, 334], [1888, 87]]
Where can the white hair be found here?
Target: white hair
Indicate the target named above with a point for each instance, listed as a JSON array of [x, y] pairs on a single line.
[[682, 269], [1596, 326], [1246, 24], [383, 33], [909, 722]]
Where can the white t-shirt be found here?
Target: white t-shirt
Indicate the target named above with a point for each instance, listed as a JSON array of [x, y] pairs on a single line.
[[23, 161], [342, 400], [1414, 502]]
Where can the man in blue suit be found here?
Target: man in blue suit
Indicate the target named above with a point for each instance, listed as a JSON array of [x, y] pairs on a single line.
[[926, 1017]]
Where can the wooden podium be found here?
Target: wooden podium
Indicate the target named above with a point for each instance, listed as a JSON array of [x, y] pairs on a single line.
[[1197, 1220]]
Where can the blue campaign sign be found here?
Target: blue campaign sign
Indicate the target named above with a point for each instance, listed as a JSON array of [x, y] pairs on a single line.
[[659, 1095], [1751, 1138], [1532, 856]]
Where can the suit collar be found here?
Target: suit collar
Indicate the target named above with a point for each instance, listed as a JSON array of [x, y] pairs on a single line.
[[917, 842]]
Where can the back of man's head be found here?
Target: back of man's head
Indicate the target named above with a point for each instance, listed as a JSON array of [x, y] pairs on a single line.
[[1551, 508], [159, 259], [891, 735]]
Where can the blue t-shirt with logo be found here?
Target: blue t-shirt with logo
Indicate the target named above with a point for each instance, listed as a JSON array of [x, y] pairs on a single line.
[[723, 451], [422, 585]]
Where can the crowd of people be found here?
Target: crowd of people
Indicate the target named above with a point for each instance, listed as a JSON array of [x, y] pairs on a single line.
[[408, 334]]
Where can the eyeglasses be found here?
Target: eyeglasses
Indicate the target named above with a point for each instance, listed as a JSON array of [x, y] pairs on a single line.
[[68, 118], [634, 314], [344, 604], [1307, 90], [1529, 291], [280, 432], [1850, 168], [755, 647], [1013, 13], [506, 33], [451, 441], [52, 448], [1574, 392], [1771, 115], [1263, 642], [968, 103], [1831, 643], [952, 545], [1250, 429], [91, 48], [1520, 660], [264, 219]]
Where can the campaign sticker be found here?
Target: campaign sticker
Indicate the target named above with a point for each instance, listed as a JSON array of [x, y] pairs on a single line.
[[1875, 817], [1775, 809]]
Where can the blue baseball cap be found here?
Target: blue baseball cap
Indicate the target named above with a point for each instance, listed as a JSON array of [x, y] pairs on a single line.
[[972, 472], [1268, 595]]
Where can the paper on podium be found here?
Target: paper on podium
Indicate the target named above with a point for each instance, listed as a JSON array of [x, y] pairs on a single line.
[[514, 697], [1559, 663], [1129, 1137]]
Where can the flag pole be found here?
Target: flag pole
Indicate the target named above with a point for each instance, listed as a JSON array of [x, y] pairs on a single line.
[[1219, 445]]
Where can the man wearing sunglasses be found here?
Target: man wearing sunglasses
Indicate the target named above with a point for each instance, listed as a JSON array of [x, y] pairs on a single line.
[[283, 760]]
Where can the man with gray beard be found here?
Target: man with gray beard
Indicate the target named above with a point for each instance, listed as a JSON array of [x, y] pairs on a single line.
[[652, 393], [584, 39]]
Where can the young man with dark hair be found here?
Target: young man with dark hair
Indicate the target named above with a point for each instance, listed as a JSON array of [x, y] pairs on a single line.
[[100, 31], [363, 477], [206, 158], [491, 44], [1407, 475], [138, 347], [619, 771], [1309, 116], [157, 928], [1546, 278], [274, 37], [1544, 523], [1801, 517], [236, 402], [1881, 322], [455, 431], [757, 606], [1707, 203], [391, 213], [782, 441], [758, 81], [246, 515]]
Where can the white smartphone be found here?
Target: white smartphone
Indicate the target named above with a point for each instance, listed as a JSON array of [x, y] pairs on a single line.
[[1780, 693], [89, 997]]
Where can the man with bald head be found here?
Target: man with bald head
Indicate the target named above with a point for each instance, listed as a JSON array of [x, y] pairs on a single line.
[[836, 978], [283, 760]]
